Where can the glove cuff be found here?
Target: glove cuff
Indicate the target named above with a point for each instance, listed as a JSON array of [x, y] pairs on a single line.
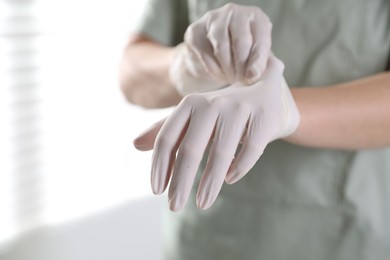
[[291, 113]]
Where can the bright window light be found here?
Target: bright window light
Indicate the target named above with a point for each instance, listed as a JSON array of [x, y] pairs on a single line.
[[63, 55]]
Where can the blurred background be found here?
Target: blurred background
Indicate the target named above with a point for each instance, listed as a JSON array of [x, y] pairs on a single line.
[[71, 184]]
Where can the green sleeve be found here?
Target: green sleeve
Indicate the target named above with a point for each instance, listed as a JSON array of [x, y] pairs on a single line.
[[164, 21]]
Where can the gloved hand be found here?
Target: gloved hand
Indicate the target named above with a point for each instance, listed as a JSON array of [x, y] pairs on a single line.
[[227, 45], [255, 115], [188, 75]]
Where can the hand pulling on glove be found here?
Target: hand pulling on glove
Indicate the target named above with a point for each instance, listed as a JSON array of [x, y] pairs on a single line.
[[227, 45], [254, 115]]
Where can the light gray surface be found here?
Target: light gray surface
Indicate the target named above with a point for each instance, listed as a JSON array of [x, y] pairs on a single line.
[[131, 231]]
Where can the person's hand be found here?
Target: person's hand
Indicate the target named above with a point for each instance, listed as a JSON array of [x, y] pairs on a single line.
[[254, 115], [227, 45], [188, 75]]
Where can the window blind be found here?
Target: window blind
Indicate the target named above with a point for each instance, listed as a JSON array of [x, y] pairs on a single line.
[[65, 130], [21, 129]]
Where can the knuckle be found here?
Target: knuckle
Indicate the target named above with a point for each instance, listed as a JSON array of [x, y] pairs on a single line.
[[230, 6], [188, 98], [195, 100], [192, 31], [241, 108], [236, 111], [218, 102], [269, 23], [216, 34], [188, 36], [279, 64], [191, 28], [263, 19], [212, 14]]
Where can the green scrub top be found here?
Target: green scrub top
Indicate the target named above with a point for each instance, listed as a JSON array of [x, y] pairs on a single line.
[[297, 203]]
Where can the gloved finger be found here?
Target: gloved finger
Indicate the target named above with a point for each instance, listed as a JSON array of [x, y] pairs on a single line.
[[260, 50], [166, 145], [241, 44], [198, 43], [228, 132], [218, 34], [255, 140], [193, 64], [261, 128], [189, 156], [145, 140]]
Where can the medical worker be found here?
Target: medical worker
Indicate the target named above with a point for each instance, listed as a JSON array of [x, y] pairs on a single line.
[[281, 132]]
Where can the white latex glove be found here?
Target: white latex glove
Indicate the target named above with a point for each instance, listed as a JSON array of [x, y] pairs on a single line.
[[188, 75], [255, 115], [227, 45]]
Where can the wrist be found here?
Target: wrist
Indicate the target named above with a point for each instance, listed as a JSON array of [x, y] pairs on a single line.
[[292, 117]]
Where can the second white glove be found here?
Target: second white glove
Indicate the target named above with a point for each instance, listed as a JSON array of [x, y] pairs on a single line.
[[227, 45]]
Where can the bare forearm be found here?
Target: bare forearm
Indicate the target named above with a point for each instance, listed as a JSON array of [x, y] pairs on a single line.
[[144, 75], [353, 115]]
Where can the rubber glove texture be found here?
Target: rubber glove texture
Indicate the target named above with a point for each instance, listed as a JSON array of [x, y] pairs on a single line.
[[254, 116], [188, 74], [227, 45]]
